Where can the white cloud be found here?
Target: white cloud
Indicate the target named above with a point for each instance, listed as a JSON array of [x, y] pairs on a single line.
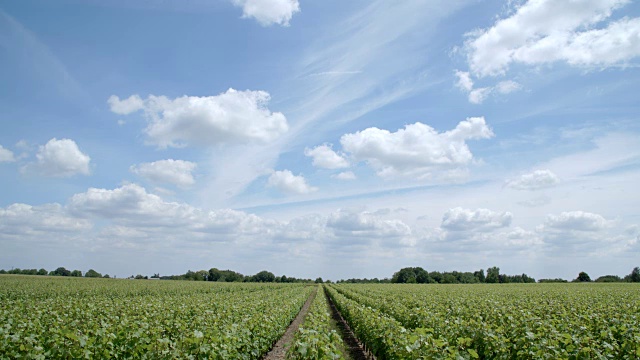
[[231, 117], [324, 157], [131, 205], [288, 183], [508, 86], [576, 220], [127, 106], [50, 219], [464, 80], [460, 219], [417, 150], [177, 172], [6, 155], [539, 179], [365, 224], [60, 158], [269, 12], [478, 96], [546, 31], [345, 175]]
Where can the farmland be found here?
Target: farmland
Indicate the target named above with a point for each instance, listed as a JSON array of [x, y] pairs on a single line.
[[58, 317]]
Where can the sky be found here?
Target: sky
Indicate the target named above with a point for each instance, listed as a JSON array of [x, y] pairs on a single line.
[[328, 138]]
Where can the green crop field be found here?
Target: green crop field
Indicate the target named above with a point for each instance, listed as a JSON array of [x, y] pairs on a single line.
[[519, 321], [63, 317], [57, 317]]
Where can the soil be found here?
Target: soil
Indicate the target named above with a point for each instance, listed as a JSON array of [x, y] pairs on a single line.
[[356, 349], [279, 350]]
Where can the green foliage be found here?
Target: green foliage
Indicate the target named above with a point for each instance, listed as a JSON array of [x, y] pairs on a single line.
[[635, 275], [609, 278], [92, 274], [70, 318], [493, 275], [554, 321], [315, 339], [583, 277]]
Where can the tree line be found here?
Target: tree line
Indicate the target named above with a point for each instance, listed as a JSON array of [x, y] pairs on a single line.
[[61, 271], [408, 275]]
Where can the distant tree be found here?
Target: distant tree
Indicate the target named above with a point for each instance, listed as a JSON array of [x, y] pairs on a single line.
[[76, 273], [61, 271], [449, 278], [404, 276], [436, 276], [635, 274], [493, 275], [3, 271], [92, 274], [583, 277], [609, 278], [42, 272], [264, 276], [139, 277], [556, 280], [319, 280], [479, 275], [156, 276], [422, 276], [106, 276]]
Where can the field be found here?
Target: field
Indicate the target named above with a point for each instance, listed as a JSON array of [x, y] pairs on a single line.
[[57, 317]]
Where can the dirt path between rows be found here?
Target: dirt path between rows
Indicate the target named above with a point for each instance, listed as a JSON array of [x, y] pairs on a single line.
[[279, 350], [356, 349]]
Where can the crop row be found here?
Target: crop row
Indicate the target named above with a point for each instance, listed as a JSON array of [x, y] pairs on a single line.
[[101, 318], [521, 321], [316, 339]]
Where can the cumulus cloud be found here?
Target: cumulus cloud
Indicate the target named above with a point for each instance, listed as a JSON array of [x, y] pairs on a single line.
[[324, 157], [461, 219], [230, 117], [127, 106], [539, 179], [176, 172], [576, 220], [23, 219], [365, 224], [269, 12], [6, 155], [418, 150], [60, 158], [545, 31], [479, 95], [345, 175], [288, 183], [131, 205]]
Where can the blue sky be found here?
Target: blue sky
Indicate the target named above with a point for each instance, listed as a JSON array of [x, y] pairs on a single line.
[[335, 139]]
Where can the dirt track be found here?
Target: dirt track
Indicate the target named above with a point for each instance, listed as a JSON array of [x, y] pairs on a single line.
[[356, 349], [279, 350]]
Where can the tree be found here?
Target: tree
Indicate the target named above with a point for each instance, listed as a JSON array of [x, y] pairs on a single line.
[[404, 276], [583, 277], [61, 271], [635, 274], [493, 275], [479, 275], [264, 276], [76, 273], [106, 276], [319, 280], [92, 274], [42, 272]]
